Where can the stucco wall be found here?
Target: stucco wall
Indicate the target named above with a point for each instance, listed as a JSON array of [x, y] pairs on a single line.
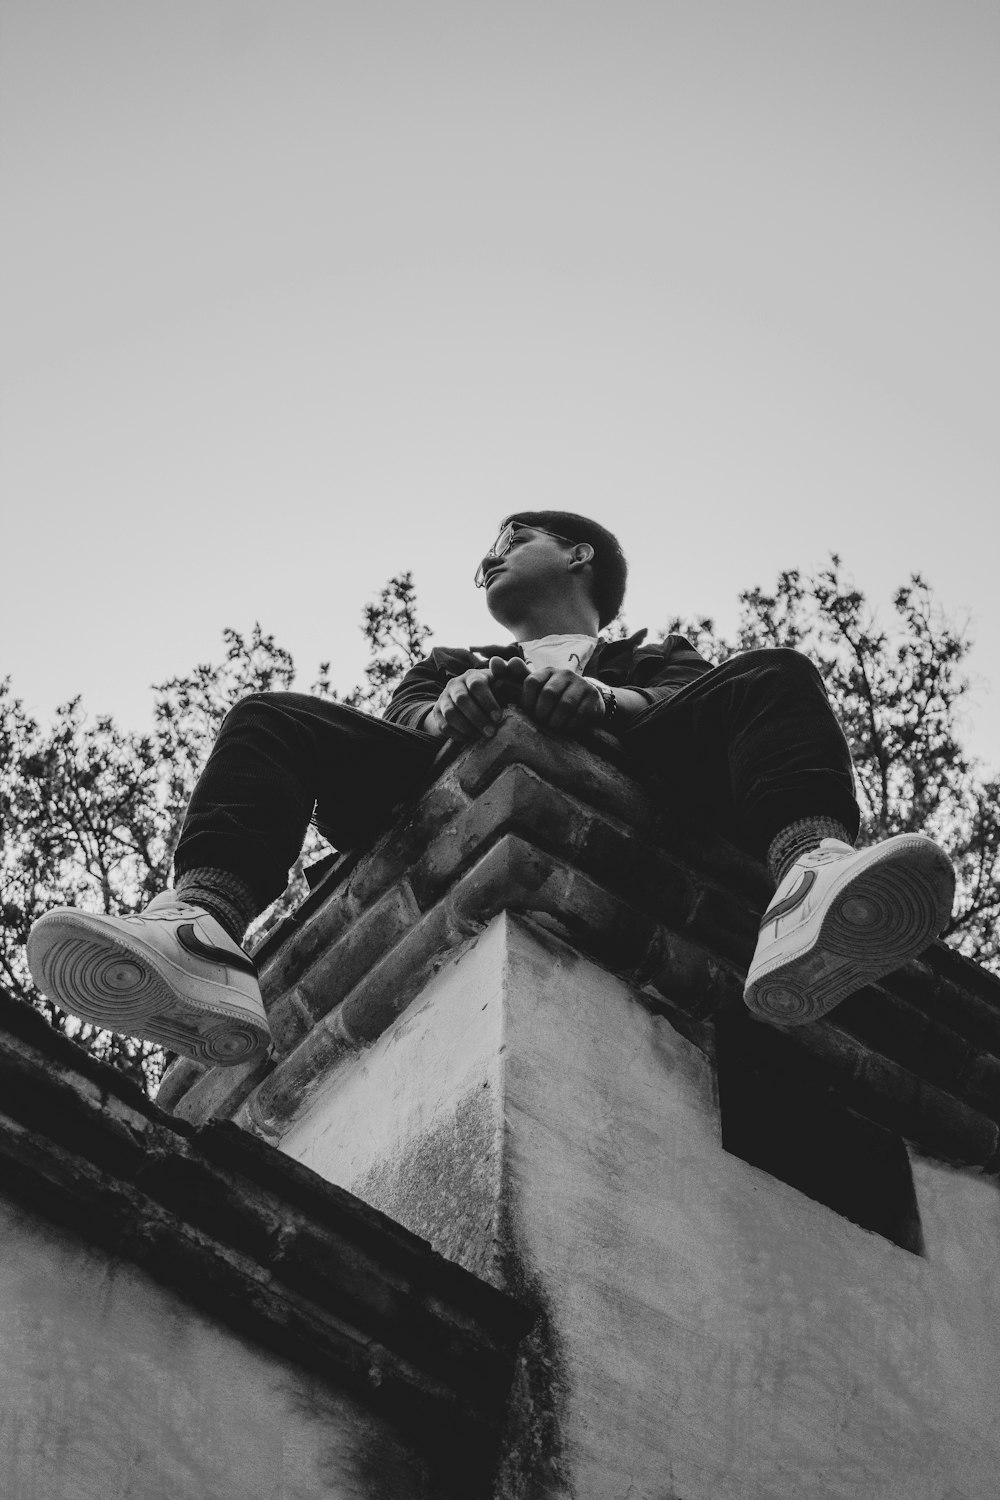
[[111, 1386], [717, 1336], [413, 1125]]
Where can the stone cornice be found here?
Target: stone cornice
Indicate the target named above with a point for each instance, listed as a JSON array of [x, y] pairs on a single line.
[[259, 1242]]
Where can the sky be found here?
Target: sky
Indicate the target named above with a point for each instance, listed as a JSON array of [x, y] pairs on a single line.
[[298, 294]]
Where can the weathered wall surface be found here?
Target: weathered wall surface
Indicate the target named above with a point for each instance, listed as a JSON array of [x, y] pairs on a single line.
[[113, 1388], [414, 1124], [716, 1335]]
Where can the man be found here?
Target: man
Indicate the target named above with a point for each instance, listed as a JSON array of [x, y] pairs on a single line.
[[752, 743]]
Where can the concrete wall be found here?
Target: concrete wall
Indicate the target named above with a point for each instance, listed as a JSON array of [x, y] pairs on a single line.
[[111, 1387], [708, 1333]]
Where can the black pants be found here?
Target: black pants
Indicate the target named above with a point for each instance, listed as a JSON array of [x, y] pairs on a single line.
[[751, 746]]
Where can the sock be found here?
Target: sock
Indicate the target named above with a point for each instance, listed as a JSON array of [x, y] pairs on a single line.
[[223, 895], [795, 838]]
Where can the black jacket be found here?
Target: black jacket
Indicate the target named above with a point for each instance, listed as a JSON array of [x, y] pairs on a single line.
[[658, 671]]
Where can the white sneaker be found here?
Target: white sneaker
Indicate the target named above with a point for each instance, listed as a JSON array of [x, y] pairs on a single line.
[[171, 974], [842, 918]]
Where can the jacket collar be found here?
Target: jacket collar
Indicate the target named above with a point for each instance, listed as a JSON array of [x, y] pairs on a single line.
[[603, 648]]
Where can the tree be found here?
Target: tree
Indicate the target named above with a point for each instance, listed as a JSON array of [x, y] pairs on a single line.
[[397, 639], [82, 825], [898, 691], [90, 813]]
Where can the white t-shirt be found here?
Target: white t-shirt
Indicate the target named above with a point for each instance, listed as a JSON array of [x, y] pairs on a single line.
[[568, 652]]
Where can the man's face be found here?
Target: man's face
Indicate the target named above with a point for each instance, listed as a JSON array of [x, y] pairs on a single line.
[[533, 565]]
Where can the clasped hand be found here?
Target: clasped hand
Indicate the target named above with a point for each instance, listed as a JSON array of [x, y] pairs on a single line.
[[472, 703]]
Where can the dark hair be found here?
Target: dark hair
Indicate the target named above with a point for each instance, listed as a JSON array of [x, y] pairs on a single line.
[[610, 570]]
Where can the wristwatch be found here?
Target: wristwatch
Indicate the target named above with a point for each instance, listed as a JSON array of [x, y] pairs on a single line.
[[610, 701]]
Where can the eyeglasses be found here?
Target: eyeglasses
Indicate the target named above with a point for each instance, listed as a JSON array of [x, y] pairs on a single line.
[[505, 541]]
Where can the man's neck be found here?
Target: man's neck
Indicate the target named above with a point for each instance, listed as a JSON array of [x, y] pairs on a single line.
[[536, 624]]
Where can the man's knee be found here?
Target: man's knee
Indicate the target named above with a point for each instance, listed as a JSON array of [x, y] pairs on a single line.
[[265, 708], [255, 703], [782, 662], [286, 713]]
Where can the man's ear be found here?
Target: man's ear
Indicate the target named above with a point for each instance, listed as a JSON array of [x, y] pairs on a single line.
[[583, 553]]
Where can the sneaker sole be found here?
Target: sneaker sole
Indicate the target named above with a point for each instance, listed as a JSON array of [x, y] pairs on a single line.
[[888, 913], [115, 985]]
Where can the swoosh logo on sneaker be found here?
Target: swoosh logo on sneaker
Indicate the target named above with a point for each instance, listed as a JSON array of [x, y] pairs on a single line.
[[189, 939], [792, 900]]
